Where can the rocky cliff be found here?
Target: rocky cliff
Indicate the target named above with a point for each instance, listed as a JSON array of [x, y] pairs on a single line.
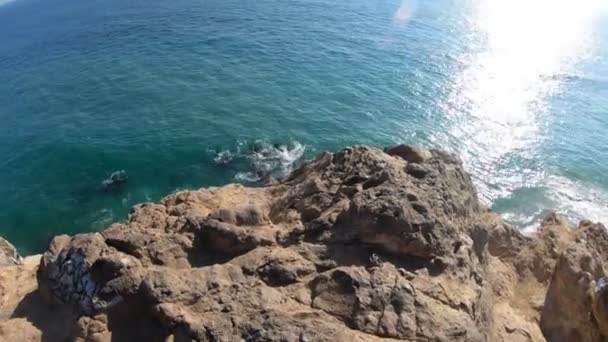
[[360, 245]]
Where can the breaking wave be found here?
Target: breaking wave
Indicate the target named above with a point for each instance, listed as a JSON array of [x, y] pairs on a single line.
[[526, 207], [115, 180], [261, 161]]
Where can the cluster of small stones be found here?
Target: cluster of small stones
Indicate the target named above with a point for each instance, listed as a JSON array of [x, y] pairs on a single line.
[[72, 283]]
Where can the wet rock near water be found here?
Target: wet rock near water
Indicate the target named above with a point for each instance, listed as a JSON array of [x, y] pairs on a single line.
[[358, 245]]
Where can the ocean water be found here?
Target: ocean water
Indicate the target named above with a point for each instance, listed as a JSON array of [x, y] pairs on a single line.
[[104, 104]]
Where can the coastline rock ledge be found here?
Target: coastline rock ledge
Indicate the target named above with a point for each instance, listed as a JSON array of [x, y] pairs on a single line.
[[358, 245]]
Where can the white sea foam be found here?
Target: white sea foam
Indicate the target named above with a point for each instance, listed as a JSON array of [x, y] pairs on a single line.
[[223, 157], [577, 200], [573, 199], [267, 161], [261, 161], [116, 178]]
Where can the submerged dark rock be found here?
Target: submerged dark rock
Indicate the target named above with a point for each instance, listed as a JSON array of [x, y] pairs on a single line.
[[116, 181]]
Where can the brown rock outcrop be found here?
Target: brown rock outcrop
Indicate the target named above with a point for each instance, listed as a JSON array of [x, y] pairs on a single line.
[[360, 245], [8, 254]]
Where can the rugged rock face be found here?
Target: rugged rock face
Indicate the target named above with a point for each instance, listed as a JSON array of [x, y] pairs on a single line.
[[8, 254], [360, 245]]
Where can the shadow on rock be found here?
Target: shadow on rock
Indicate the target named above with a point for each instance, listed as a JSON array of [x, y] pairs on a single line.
[[123, 323], [56, 322]]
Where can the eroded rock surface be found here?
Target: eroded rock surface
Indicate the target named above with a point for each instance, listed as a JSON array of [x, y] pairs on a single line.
[[8, 254], [360, 245]]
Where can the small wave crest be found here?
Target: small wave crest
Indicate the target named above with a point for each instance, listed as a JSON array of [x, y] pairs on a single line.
[[223, 157], [116, 180], [261, 161], [577, 200], [526, 207]]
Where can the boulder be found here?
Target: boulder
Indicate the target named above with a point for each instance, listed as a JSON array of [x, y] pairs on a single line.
[[575, 306], [412, 154]]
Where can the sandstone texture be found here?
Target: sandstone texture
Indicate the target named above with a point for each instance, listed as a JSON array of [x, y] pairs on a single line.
[[359, 245], [8, 254]]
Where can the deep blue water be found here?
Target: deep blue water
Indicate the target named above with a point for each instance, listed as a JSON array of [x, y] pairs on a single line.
[[185, 94]]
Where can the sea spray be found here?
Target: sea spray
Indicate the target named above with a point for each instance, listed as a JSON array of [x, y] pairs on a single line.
[[261, 161]]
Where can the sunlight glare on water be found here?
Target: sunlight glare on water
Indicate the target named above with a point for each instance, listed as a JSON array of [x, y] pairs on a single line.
[[499, 103]]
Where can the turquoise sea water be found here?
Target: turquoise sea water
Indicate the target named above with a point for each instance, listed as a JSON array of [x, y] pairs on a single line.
[[185, 94]]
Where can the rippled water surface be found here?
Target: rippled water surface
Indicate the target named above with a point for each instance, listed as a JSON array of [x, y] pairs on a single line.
[[182, 94]]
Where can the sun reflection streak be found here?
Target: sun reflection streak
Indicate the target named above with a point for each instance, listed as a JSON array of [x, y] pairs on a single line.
[[499, 104]]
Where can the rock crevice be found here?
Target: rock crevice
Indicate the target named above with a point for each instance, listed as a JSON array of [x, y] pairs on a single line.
[[359, 245]]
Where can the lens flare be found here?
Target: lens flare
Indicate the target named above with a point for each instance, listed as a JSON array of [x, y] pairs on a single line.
[[405, 12]]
